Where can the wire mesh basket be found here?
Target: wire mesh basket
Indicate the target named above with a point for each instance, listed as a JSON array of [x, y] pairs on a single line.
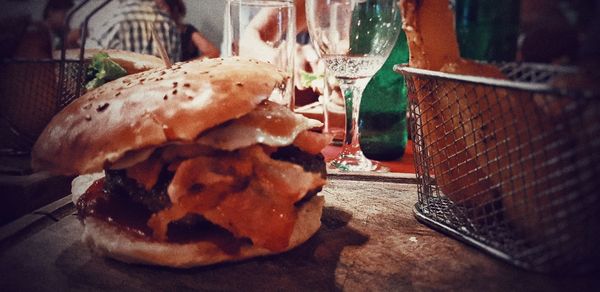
[[31, 92], [509, 166]]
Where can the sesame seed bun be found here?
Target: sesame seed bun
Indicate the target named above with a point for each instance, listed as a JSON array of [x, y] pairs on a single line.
[[173, 105]]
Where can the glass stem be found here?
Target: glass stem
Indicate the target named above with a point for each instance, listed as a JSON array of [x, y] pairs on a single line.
[[352, 90]]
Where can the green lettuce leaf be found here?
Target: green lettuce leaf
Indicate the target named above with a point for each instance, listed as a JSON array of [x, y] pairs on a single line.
[[307, 78], [101, 70]]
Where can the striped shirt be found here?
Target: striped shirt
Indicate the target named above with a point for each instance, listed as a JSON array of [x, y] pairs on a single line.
[[129, 28]]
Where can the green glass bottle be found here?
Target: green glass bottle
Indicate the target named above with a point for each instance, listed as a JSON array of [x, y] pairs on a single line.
[[487, 30], [382, 119]]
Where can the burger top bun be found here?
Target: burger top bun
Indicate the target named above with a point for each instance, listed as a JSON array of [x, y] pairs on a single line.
[[130, 61], [151, 108]]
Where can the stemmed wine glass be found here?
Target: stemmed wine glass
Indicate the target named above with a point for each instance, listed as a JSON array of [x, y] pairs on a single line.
[[354, 38]]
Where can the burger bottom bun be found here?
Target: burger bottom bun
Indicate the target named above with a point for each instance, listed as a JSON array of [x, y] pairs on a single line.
[[108, 240]]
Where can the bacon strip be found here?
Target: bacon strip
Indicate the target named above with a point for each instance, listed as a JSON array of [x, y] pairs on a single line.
[[312, 142]]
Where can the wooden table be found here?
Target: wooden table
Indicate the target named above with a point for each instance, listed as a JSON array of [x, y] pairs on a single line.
[[22, 191], [369, 240]]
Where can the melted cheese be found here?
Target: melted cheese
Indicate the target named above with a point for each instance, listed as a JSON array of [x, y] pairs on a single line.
[[245, 192]]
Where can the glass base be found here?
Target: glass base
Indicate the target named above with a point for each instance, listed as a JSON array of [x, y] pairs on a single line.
[[356, 162]]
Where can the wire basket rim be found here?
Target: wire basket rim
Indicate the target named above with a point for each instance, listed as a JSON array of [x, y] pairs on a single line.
[[545, 88]]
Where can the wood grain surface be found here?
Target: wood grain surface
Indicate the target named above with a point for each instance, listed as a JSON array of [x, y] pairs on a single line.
[[369, 240]]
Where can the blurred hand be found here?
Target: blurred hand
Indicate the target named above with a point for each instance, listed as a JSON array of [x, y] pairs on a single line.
[[253, 46], [262, 38]]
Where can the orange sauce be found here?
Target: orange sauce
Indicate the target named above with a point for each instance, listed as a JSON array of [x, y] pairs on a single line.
[[132, 218]]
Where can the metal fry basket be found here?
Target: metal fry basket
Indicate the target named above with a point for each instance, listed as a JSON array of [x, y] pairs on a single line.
[[509, 166], [32, 91]]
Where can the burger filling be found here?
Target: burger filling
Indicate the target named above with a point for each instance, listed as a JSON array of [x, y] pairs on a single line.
[[157, 198], [245, 179]]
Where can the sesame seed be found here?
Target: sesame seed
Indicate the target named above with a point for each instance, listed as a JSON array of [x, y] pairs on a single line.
[[102, 107]]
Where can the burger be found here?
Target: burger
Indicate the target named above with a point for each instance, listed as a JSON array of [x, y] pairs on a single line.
[[189, 166]]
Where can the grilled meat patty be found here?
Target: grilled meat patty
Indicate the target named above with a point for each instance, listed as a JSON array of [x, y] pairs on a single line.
[[118, 183]]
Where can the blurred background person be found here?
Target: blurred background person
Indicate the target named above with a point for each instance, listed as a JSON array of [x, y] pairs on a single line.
[[54, 16], [37, 39], [129, 27], [193, 43]]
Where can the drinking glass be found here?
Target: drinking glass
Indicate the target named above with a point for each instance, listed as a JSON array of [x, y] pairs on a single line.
[[264, 30], [354, 38]]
